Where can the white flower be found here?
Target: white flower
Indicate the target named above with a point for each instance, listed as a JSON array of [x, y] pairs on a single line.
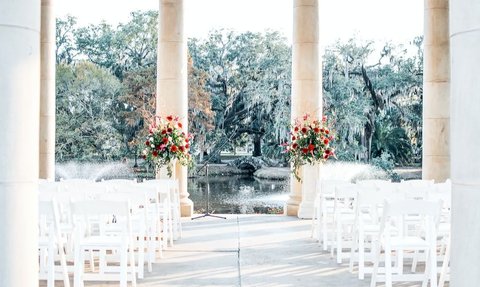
[[151, 139], [152, 145], [144, 152]]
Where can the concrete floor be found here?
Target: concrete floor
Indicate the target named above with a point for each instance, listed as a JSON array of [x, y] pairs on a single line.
[[248, 250]]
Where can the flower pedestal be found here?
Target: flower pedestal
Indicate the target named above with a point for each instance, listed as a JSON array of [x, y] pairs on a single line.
[[162, 173], [310, 176]]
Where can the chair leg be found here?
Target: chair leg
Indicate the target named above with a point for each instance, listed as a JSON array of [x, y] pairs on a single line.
[[123, 265], [141, 256], [361, 256], [324, 231], [78, 267], [414, 261], [388, 266], [427, 269], [51, 266], [433, 263], [63, 263], [339, 243], [376, 251], [132, 267], [352, 251], [446, 262]]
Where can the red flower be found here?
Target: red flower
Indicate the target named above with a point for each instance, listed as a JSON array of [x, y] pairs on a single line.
[[316, 130], [144, 156], [174, 148], [181, 148], [164, 132], [311, 147], [304, 130], [187, 145], [155, 153], [147, 143], [158, 147], [293, 138], [165, 140], [322, 130], [169, 130], [325, 156], [305, 150], [169, 118], [328, 151], [180, 125], [186, 140], [296, 129], [294, 146], [327, 132], [325, 141]]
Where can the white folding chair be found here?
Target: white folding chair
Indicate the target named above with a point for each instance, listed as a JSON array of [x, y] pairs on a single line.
[[170, 186], [90, 218], [322, 221], [367, 223], [138, 209], [343, 218], [394, 236], [51, 244]]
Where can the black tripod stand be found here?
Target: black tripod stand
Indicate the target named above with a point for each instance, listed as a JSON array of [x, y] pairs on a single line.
[[207, 211]]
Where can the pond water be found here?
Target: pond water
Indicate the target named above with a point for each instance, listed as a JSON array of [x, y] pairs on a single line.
[[238, 194]]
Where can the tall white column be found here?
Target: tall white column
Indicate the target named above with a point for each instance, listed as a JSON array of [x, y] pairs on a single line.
[[306, 88], [436, 92], [47, 91], [172, 91], [19, 122], [465, 135]]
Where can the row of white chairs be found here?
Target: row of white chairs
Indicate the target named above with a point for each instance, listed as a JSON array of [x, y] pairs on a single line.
[[112, 221], [375, 215]]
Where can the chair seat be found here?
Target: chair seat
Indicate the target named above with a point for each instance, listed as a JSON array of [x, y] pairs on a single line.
[[102, 242], [407, 242]]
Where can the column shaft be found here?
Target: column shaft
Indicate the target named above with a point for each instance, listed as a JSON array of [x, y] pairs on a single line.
[[19, 122], [172, 90], [436, 92], [306, 84], [465, 135], [47, 91]]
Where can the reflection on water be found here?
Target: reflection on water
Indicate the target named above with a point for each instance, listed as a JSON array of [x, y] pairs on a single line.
[[238, 194]]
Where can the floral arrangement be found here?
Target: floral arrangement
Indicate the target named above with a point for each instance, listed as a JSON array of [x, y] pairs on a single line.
[[310, 143], [167, 142]]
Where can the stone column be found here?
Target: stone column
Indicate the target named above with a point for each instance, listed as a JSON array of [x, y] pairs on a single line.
[[306, 86], [47, 91], [436, 92], [19, 122], [172, 91], [465, 135]]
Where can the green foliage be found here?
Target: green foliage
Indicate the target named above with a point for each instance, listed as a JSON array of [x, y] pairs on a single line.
[[384, 99], [239, 92], [85, 100], [248, 78]]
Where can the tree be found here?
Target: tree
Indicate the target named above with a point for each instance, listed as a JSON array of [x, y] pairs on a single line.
[[85, 97], [248, 78], [384, 95]]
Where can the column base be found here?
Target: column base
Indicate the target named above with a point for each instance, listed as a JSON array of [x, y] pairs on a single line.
[[290, 209], [186, 208]]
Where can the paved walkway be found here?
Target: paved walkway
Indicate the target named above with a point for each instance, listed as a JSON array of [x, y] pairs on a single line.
[[249, 250]]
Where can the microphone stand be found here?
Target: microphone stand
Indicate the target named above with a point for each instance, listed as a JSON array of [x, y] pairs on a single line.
[[207, 211]]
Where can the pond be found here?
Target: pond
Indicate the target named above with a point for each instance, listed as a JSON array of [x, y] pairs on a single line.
[[238, 194]]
